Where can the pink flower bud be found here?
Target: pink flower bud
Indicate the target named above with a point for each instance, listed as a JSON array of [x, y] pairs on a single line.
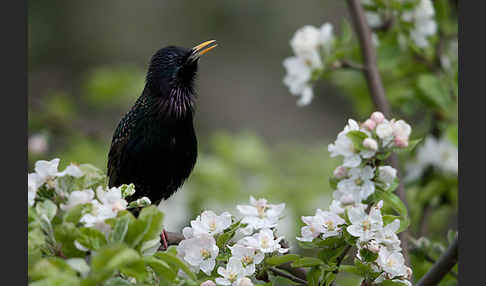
[[369, 124], [340, 172], [401, 142], [245, 281], [370, 143], [208, 283], [377, 117]]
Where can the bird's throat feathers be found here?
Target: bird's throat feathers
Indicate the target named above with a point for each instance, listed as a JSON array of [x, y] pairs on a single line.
[[178, 103]]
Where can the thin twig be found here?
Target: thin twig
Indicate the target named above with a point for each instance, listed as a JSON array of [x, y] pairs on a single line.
[[284, 274], [445, 263], [375, 84]]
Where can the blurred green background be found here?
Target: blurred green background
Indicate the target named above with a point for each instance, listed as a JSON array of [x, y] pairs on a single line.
[[87, 62]]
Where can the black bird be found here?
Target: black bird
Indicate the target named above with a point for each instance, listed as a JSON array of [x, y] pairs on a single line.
[[154, 145]]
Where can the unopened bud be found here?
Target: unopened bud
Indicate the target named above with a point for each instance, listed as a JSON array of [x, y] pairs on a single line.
[[369, 124], [208, 283], [401, 142], [340, 172], [377, 117], [245, 282], [370, 143]]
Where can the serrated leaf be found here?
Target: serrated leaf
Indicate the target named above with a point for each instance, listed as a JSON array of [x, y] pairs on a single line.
[[281, 259], [307, 262]]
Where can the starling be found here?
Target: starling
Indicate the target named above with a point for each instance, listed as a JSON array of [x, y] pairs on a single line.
[[155, 146]]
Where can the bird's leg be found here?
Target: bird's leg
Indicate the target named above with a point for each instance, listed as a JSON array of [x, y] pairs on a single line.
[[163, 238]]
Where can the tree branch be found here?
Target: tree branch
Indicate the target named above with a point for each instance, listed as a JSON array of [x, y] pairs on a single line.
[[284, 274], [377, 91], [445, 263]]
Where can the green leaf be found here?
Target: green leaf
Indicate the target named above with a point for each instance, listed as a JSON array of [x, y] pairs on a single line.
[[47, 208], [433, 91], [153, 218], [91, 238], [307, 262], [65, 234], [80, 265], [368, 255], [50, 266], [175, 263], [162, 268], [227, 235], [117, 281], [111, 258], [281, 259], [357, 138], [411, 145], [120, 230], [350, 269], [74, 214], [314, 276], [394, 202]]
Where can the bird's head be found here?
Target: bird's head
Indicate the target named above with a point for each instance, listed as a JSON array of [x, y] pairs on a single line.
[[172, 69]]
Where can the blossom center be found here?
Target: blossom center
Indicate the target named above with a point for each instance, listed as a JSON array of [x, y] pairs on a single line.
[[205, 254], [247, 260], [232, 277], [212, 226], [329, 224], [265, 242], [358, 182], [366, 225]]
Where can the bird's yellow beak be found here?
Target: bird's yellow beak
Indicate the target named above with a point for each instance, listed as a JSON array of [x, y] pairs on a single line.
[[205, 47]]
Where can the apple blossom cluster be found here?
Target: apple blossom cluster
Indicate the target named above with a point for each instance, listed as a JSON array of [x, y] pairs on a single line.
[[418, 19], [46, 174], [106, 204], [438, 153], [364, 147], [200, 245], [311, 46]]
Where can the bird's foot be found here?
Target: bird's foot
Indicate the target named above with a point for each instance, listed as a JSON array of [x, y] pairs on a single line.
[[163, 238]]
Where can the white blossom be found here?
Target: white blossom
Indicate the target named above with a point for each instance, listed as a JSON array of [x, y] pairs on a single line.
[[78, 197], [422, 16], [260, 214], [364, 225], [388, 237], [46, 170], [248, 256], [298, 75], [200, 252], [71, 170], [305, 43], [439, 153], [232, 274], [33, 184], [38, 143], [384, 131], [245, 281], [377, 117], [96, 218], [392, 263], [343, 146], [324, 224], [264, 241], [210, 223], [370, 144], [387, 174], [111, 198], [359, 183]]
